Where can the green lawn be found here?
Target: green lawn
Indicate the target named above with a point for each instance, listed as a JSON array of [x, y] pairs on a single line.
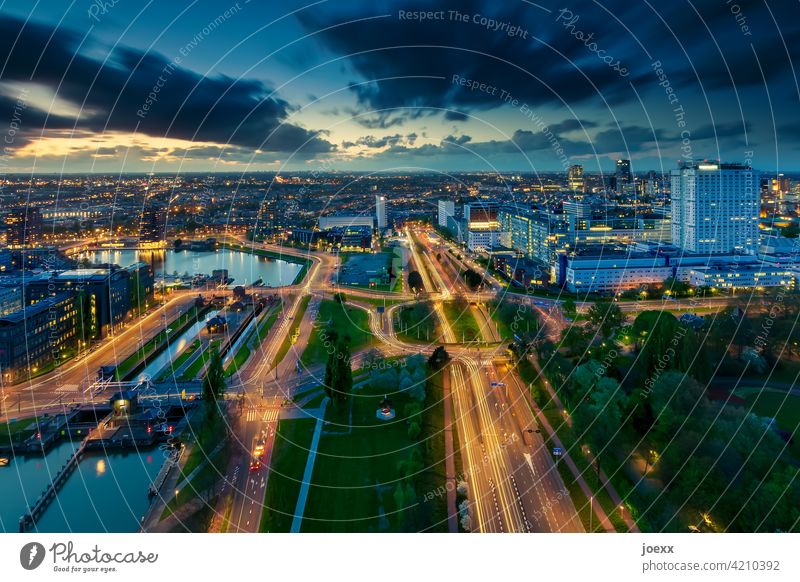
[[346, 320], [187, 353], [416, 322], [513, 318], [775, 404], [292, 440], [14, 431], [194, 369], [376, 301], [463, 323], [239, 360], [356, 473], [287, 341]]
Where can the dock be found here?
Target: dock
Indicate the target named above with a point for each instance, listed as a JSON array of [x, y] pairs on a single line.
[[49, 494]]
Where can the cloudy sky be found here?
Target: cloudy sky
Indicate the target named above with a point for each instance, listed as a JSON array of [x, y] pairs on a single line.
[[93, 86]]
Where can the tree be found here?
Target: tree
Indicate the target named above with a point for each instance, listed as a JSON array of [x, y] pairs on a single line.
[[214, 383], [472, 279], [338, 373], [439, 358], [339, 297], [569, 308], [373, 359], [599, 416], [607, 316], [414, 431], [675, 288], [415, 281]]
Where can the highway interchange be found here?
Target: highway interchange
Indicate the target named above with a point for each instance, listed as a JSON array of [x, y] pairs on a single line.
[[513, 482]]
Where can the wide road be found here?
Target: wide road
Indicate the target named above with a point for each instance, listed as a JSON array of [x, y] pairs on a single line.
[[513, 484], [259, 424], [65, 384], [261, 383]]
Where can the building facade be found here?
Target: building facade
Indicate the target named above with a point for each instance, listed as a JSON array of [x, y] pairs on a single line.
[[23, 227], [446, 209], [104, 296], [715, 208], [381, 218], [37, 335]]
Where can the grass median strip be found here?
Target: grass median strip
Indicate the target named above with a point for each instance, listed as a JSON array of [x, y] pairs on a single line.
[[292, 441], [416, 322], [194, 368], [184, 356], [288, 340], [461, 320]]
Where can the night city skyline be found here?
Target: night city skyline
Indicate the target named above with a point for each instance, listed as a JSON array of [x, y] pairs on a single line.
[[399, 267]]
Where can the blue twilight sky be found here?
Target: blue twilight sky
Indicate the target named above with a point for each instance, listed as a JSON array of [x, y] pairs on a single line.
[[385, 85]]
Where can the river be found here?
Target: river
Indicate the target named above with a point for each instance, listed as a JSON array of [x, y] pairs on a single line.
[[107, 493], [243, 267]]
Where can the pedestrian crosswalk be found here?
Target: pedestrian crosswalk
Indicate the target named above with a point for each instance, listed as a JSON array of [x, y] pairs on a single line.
[[268, 415]]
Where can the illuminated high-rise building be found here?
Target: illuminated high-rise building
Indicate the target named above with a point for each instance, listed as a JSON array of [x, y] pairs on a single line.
[[447, 209], [623, 174], [23, 227], [153, 228], [380, 212], [575, 180], [715, 208]]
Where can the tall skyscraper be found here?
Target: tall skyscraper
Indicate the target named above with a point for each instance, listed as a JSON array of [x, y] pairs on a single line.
[[623, 174], [153, 228], [575, 179], [715, 208], [380, 212], [780, 186], [447, 208], [23, 227]]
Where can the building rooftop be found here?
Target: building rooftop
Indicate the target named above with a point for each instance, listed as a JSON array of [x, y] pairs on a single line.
[[34, 309]]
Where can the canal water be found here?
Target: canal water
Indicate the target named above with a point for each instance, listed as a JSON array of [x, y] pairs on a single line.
[[244, 268], [175, 347], [107, 492]]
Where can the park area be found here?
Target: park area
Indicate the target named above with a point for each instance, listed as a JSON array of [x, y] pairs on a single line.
[[369, 475], [347, 321], [416, 322]]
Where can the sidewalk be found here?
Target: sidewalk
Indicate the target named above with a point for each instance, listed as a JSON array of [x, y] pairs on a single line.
[[312, 455]]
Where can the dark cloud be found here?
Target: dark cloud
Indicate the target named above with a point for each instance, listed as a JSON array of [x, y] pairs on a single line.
[[187, 105], [417, 60], [458, 140], [715, 55]]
